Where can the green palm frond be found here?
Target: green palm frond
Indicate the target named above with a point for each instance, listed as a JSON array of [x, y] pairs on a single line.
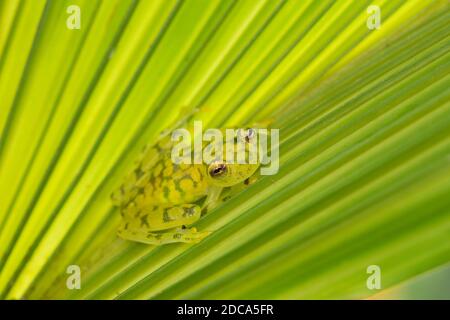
[[364, 118]]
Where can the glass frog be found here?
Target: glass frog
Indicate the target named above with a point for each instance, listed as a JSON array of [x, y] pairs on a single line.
[[160, 199]]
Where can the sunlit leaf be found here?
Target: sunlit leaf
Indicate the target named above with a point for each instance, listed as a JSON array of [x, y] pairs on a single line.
[[364, 119]]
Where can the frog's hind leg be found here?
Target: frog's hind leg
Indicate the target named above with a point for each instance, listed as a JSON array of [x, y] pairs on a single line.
[[162, 224], [190, 235]]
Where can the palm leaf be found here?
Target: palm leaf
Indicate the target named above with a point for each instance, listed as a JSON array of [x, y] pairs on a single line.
[[364, 120]]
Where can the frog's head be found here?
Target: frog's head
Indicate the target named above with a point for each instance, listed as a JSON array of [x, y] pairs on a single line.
[[226, 174]]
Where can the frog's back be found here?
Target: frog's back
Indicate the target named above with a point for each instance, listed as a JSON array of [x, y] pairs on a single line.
[[156, 180]]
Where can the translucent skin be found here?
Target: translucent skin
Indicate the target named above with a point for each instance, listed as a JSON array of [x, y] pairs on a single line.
[[158, 199]]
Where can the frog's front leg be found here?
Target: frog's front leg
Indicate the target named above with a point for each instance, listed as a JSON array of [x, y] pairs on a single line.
[[212, 200], [162, 224]]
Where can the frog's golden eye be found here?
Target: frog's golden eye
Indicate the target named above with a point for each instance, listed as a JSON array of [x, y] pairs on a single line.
[[217, 169]]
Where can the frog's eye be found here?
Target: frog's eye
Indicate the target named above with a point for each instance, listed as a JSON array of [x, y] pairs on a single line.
[[217, 169]]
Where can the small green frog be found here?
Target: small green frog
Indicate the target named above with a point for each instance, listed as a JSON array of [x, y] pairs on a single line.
[[159, 198]]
